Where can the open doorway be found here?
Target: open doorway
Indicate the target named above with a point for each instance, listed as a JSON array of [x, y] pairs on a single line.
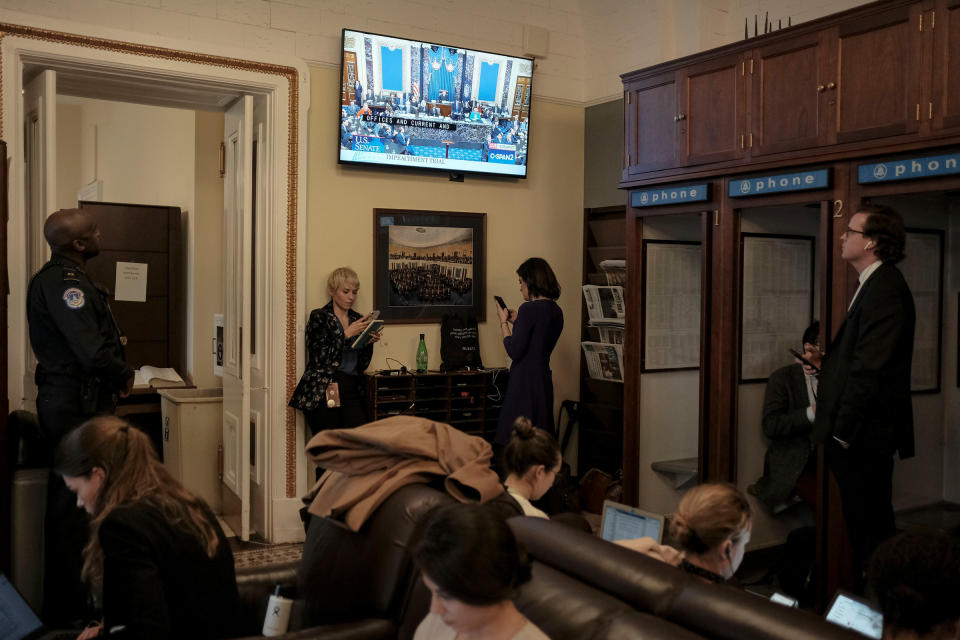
[[109, 71]]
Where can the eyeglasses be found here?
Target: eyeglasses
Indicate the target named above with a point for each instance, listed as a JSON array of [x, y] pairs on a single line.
[[851, 230]]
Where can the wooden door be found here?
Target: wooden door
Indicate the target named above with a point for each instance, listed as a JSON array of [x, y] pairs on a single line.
[[349, 77], [521, 98], [788, 98], [712, 117], [148, 235], [876, 76], [944, 104], [650, 124]]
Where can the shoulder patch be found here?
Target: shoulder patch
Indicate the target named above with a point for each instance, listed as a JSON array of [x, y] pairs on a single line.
[[73, 298], [71, 275]]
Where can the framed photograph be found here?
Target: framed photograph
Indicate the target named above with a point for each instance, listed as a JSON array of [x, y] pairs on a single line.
[[429, 263]]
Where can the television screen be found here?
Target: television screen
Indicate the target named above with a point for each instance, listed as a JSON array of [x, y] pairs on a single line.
[[418, 104]]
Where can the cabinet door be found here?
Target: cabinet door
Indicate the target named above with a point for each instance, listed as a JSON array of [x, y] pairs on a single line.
[[876, 75], [712, 114], [650, 112], [946, 66], [787, 96]]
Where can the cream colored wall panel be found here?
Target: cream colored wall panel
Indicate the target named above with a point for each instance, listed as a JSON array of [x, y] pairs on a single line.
[[540, 216], [255, 12]]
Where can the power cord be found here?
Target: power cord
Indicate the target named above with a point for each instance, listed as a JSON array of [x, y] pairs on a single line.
[[402, 368]]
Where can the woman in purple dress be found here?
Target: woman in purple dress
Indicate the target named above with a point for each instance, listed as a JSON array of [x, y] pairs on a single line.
[[529, 335]]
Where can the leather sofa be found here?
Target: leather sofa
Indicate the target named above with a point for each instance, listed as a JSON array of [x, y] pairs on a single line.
[[363, 586]]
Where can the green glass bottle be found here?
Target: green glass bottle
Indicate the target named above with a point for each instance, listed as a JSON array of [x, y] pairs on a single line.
[[422, 356]]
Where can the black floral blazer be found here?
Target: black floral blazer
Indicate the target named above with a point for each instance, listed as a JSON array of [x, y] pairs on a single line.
[[325, 342]]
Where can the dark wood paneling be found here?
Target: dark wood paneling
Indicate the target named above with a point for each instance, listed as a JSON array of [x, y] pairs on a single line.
[[713, 111], [877, 75], [653, 124], [155, 328], [718, 457], [126, 227], [786, 96], [103, 269], [946, 66]]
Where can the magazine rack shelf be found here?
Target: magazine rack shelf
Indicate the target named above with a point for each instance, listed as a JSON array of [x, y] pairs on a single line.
[[600, 441], [467, 400]]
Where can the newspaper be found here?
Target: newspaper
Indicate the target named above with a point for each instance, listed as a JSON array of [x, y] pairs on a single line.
[[615, 272], [604, 361], [605, 305]]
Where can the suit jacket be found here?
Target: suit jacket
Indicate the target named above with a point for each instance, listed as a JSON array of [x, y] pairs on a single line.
[[785, 424], [325, 340], [865, 384]]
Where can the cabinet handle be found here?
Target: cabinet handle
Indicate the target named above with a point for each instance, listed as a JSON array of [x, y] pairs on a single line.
[[682, 116], [820, 88], [831, 85], [741, 141], [930, 113]]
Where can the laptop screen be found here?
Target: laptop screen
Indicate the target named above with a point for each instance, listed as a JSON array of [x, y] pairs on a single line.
[[621, 522], [17, 619], [849, 611]]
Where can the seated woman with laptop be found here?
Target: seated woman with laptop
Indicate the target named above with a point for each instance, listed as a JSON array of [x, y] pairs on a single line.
[[708, 534]]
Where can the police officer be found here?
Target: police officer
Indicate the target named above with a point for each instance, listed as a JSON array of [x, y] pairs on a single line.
[[81, 370]]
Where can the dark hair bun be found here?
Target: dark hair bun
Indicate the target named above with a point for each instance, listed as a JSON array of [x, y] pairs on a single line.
[[523, 428]]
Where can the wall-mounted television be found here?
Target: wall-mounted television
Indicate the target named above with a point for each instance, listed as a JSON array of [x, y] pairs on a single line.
[[419, 104]]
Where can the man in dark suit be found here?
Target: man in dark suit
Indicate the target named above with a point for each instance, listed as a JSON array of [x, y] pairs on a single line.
[[789, 406], [865, 412]]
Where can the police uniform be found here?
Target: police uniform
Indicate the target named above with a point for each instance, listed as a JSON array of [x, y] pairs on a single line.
[[81, 369]]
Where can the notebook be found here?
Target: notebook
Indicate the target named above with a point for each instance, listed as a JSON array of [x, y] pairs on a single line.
[[853, 612], [621, 522]]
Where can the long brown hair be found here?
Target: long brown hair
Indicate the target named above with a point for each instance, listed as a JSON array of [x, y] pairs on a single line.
[[132, 474]]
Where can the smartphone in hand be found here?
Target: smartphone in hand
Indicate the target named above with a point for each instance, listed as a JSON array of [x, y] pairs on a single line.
[[503, 305], [801, 358], [374, 314]]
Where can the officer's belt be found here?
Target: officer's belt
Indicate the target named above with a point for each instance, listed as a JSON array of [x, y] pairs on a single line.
[[54, 378]]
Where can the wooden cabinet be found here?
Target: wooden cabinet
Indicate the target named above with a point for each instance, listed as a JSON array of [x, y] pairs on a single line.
[[877, 75], [650, 124], [790, 106], [884, 75], [944, 104], [467, 400], [713, 111]]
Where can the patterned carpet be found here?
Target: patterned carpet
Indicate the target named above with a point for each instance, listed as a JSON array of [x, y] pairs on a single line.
[[257, 555]]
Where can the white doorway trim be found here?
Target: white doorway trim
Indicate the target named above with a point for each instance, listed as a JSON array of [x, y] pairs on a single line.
[[285, 87]]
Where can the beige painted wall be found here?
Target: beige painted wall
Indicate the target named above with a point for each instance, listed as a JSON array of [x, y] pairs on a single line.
[[156, 156], [539, 216], [206, 245], [143, 154]]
